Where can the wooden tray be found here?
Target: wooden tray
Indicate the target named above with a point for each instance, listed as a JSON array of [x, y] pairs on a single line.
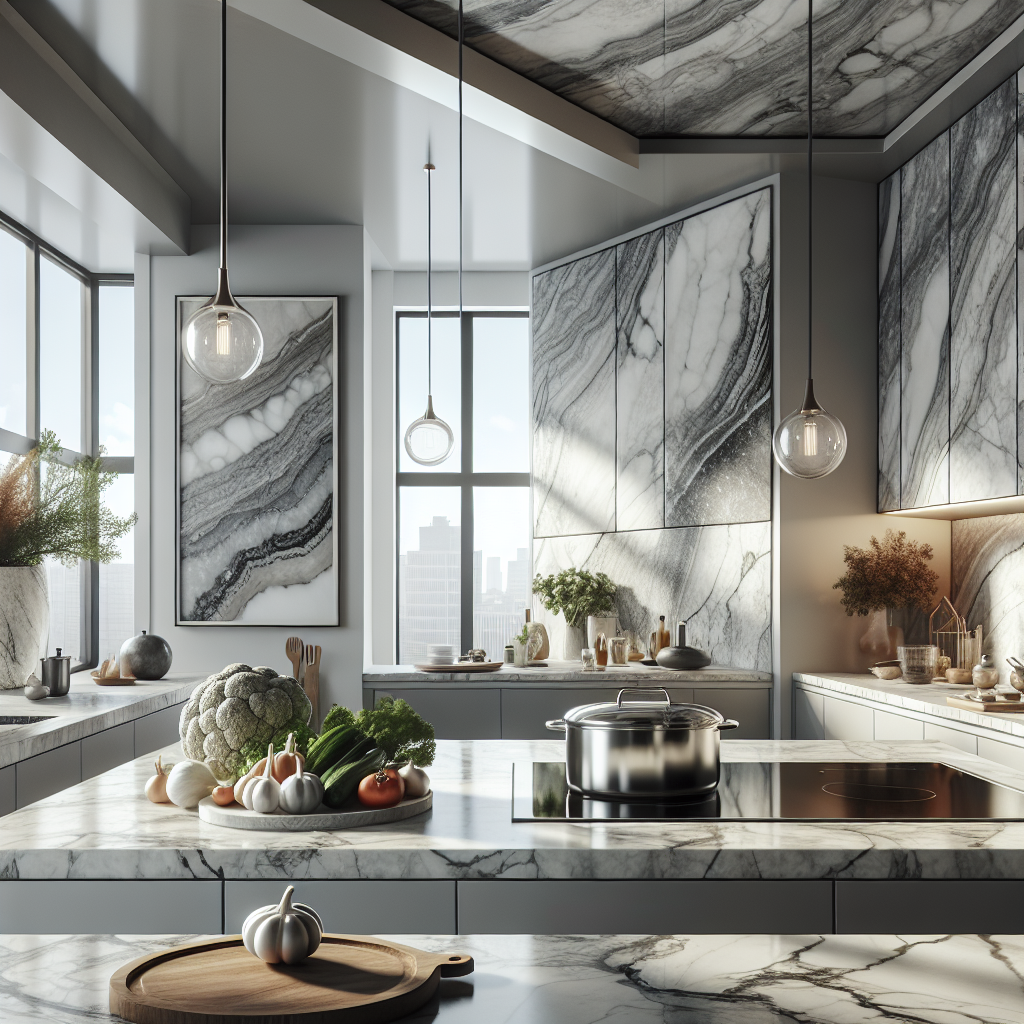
[[979, 705], [114, 681], [462, 666], [352, 978], [235, 816]]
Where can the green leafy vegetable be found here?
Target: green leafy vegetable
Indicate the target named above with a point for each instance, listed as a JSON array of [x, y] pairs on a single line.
[[394, 726]]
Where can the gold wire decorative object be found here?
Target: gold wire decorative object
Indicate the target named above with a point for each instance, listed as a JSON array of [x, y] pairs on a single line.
[[947, 630]]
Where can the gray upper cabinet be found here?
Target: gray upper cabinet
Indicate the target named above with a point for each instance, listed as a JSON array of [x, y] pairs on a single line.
[[949, 326]]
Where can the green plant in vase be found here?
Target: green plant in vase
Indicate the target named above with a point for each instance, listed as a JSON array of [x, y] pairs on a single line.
[[889, 574], [576, 594], [49, 507]]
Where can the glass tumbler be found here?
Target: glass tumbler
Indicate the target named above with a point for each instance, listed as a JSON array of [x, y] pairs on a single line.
[[589, 659], [918, 662]]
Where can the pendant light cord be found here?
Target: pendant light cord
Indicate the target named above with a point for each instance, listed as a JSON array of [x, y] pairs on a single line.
[[430, 389], [810, 186], [224, 135], [461, 40]]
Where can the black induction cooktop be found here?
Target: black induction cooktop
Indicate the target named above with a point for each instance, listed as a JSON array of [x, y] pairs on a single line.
[[790, 790]]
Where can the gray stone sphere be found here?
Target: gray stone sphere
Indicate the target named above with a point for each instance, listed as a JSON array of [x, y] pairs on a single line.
[[146, 656]]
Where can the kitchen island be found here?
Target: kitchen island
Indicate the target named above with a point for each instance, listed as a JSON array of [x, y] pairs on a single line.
[[586, 979], [100, 857]]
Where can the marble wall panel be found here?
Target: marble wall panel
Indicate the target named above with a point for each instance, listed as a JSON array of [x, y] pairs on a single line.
[[718, 341], [640, 382], [983, 320], [699, 67], [1020, 282], [889, 344], [574, 397], [718, 578], [986, 569], [924, 240]]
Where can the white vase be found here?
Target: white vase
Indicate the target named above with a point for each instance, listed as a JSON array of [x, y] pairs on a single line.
[[574, 643], [24, 623], [520, 653], [607, 624]]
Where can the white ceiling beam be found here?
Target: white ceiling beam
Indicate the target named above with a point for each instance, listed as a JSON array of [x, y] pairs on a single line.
[[387, 42]]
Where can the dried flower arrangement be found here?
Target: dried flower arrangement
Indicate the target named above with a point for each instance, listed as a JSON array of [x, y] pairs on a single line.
[[889, 574], [48, 507]]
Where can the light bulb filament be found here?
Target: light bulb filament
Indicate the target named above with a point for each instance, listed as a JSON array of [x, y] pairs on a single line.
[[810, 438], [223, 334]]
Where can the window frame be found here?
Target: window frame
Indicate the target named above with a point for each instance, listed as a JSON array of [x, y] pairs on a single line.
[[22, 444], [465, 478]]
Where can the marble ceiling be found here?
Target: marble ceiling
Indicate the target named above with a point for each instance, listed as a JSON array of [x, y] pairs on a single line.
[[731, 67]]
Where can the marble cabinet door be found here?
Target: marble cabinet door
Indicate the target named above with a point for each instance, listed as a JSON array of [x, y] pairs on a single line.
[[889, 344]]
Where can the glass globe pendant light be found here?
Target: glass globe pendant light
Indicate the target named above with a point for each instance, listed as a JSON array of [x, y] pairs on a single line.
[[429, 440], [221, 341], [809, 443]]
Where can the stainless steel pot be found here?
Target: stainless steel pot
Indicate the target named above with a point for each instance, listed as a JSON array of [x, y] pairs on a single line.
[[642, 749]]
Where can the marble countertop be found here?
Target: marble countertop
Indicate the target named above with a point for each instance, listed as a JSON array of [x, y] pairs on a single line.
[[105, 828], [86, 709], [587, 979], [928, 698], [569, 674]]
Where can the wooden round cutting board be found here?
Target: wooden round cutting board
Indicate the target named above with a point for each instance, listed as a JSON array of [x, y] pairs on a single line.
[[461, 666], [353, 979], [322, 820]]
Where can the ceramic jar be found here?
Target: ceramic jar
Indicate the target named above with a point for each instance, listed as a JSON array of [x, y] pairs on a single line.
[[986, 674]]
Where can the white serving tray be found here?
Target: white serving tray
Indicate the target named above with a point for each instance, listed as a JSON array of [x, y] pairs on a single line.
[[321, 820]]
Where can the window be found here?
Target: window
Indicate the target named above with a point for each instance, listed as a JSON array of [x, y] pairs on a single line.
[[463, 526], [67, 348]]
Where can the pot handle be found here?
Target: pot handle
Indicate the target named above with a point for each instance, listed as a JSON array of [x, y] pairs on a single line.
[[555, 725], [649, 689], [729, 723]]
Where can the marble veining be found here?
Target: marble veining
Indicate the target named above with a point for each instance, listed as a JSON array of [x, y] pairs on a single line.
[[1020, 281], [983, 317], [86, 710], [256, 473], [640, 382], [927, 699], [987, 570], [574, 397], [718, 364], [106, 828], [889, 343], [697, 67], [596, 979], [716, 577], [924, 416]]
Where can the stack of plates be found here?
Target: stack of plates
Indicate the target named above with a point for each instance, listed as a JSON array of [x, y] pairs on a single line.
[[440, 654]]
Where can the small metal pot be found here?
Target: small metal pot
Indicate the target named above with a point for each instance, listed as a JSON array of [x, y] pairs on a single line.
[[57, 674], [642, 749]]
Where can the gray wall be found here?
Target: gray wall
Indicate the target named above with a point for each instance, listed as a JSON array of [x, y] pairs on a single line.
[[264, 260]]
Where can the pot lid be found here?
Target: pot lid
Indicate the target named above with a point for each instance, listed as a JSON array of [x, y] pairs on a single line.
[[644, 714]]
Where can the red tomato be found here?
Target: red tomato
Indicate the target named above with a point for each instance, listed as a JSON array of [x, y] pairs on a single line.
[[382, 790]]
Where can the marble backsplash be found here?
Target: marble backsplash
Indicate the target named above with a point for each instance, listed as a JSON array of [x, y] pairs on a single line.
[[987, 570]]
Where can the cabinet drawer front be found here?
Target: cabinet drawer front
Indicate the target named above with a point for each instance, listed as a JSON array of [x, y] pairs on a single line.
[[929, 907], [751, 708], [809, 723], [157, 730], [110, 907], [644, 907], [105, 750], [49, 773], [524, 712], [1002, 753], [954, 737], [847, 721], [456, 713], [896, 727], [361, 906]]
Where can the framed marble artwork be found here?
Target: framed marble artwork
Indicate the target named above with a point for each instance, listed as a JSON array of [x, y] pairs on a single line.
[[257, 475]]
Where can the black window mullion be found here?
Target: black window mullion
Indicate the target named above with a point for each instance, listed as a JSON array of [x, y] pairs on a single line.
[[89, 578], [467, 533]]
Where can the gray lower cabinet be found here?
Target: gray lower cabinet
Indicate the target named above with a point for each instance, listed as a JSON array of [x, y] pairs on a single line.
[[921, 907], [8, 789], [48, 773], [658, 907], [131, 906], [157, 730], [751, 708], [358, 906], [462, 714], [105, 750]]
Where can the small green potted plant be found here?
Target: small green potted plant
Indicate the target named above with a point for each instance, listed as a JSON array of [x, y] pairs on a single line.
[[888, 574], [578, 595], [48, 508]]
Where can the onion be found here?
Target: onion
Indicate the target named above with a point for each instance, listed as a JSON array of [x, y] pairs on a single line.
[[382, 789]]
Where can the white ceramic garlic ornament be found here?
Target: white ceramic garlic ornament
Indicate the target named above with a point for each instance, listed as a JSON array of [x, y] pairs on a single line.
[[283, 934], [301, 793], [417, 781], [263, 793]]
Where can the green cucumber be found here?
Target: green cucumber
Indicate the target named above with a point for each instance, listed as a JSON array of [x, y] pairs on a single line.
[[333, 747], [342, 781]]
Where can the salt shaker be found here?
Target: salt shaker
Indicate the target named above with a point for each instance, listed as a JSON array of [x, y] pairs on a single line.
[[985, 673]]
